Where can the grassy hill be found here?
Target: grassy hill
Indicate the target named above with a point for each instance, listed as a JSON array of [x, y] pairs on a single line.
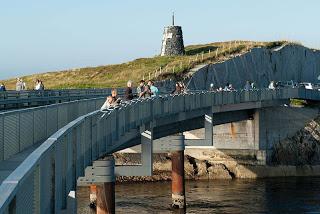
[[157, 68]]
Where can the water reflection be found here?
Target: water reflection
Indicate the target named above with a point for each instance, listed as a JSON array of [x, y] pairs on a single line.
[[281, 195]]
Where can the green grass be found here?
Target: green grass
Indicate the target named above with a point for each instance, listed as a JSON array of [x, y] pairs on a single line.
[[175, 67]]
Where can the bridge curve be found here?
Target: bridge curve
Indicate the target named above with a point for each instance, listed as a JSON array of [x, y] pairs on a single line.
[[51, 171]]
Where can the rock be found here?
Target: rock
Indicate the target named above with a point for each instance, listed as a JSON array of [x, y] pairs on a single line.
[[218, 171]]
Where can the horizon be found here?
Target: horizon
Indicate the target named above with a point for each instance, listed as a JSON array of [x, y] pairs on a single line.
[[56, 36]]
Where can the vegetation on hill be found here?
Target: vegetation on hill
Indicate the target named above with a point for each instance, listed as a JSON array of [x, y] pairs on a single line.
[[156, 68]]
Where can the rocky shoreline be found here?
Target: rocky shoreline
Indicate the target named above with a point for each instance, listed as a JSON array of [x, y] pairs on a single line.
[[196, 169], [298, 155]]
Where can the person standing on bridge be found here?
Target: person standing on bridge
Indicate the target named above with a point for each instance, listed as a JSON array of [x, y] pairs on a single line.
[[141, 89], [37, 86], [253, 85], [211, 88], [107, 104], [226, 88], [41, 85], [272, 85], [128, 93], [2, 87], [153, 89], [247, 86], [177, 90], [114, 95], [19, 85]]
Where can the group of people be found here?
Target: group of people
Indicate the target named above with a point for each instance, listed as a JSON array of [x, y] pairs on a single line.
[[147, 90], [143, 91], [21, 85], [229, 87]]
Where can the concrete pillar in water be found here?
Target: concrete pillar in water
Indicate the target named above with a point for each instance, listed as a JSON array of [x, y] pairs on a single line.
[[178, 187], [106, 186]]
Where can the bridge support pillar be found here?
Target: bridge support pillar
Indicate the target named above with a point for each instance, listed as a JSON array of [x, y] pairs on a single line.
[[101, 175], [93, 196], [106, 198], [178, 187]]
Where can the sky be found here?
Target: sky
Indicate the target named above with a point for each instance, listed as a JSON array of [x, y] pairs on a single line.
[[39, 35]]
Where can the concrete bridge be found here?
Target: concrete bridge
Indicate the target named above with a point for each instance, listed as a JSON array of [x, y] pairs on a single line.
[[47, 151]]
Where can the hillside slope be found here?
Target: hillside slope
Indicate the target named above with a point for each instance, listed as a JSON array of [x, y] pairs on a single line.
[[157, 68]]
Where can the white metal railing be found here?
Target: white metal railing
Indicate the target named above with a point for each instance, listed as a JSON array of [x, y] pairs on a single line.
[[51, 171]]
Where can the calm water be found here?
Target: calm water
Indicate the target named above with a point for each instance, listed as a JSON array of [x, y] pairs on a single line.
[[281, 195]]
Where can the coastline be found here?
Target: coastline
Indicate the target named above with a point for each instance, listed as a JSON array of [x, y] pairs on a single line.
[[216, 167]]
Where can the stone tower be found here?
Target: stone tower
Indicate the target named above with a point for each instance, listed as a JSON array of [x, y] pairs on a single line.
[[172, 42]]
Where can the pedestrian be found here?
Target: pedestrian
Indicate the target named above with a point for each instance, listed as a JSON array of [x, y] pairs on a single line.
[[41, 85], [272, 85], [23, 84], [183, 87], [18, 85], [140, 89], [38, 85], [147, 91], [226, 88], [211, 88], [114, 95], [253, 85], [154, 91], [177, 89], [231, 88], [128, 93], [247, 86], [107, 104], [2, 87]]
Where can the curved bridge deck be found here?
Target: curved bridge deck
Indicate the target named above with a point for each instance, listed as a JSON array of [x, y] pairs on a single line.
[[51, 171]]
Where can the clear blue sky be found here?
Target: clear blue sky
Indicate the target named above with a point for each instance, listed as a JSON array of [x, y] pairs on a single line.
[[40, 35]]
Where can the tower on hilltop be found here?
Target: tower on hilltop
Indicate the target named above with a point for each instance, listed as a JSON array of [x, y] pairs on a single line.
[[172, 41]]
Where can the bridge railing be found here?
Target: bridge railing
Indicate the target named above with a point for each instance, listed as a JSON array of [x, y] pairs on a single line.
[[21, 129], [42, 182], [15, 99]]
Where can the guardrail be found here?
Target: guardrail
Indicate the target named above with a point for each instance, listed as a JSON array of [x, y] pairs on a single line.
[[42, 182], [22, 99], [20, 129]]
